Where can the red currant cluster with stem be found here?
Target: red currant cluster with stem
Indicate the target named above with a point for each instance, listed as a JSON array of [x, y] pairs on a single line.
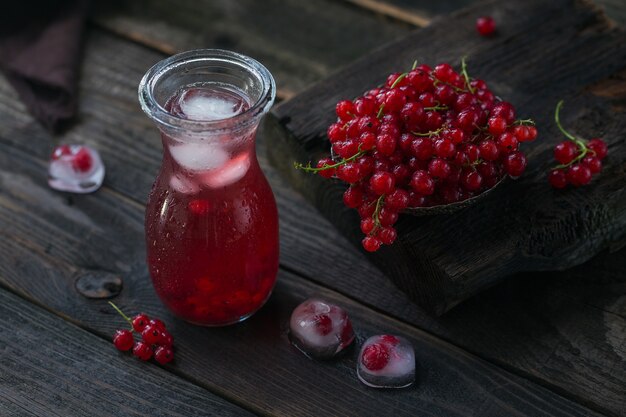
[[578, 159], [428, 137], [155, 341]]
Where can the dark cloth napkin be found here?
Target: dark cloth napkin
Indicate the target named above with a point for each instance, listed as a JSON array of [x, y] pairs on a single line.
[[40, 45]]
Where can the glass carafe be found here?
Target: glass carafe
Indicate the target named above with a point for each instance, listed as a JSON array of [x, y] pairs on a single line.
[[211, 218]]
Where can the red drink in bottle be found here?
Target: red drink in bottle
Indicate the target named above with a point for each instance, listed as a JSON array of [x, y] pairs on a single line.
[[211, 218]]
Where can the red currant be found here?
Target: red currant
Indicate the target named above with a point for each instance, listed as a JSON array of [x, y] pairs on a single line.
[[323, 324], [349, 172], [488, 150], [82, 160], [439, 168], [557, 178], [599, 148], [565, 152], [471, 180], [505, 110], [375, 357], [364, 106], [336, 133], [388, 235], [593, 163], [140, 321], [123, 340], [163, 355], [142, 350], [422, 148], [515, 164], [444, 148], [382, 183], [497, 125], [326, 173], [387, 216], [507, 143], [371, 244], [345, 110], [422, 183], [485, 25], [578, 175], [62, 150], [398, 199], [353, 197], [385, 144], [367, 225], [151, 334], [443, 72]]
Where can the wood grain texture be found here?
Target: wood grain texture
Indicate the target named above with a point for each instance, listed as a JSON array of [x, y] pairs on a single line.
[[421, 12], [251, 363], [50, 367], [455, 256], [291, 38], [487, 325]]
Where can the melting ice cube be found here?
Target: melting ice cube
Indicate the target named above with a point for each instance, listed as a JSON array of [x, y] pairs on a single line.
[[386, 361], [183, 184], [75, 168], [206, 104], [229, 173], [198, 156], [320, 329]]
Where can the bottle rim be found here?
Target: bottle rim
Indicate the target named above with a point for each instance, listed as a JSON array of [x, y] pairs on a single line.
[[228, 59]]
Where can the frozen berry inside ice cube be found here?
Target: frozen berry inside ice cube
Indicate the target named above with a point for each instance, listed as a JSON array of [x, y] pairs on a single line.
[[386, 361], [75, 168], [320, 329]]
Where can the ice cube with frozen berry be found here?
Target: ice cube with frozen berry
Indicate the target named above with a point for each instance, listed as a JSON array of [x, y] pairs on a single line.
[[320, 329], [386, 361], [75, 168]]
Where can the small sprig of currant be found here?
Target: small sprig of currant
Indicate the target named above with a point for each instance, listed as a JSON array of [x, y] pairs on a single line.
[[428, 137], [155, 341], [578, 159]]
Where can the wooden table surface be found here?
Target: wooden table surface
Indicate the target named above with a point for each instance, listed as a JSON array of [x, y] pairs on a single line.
[[540, 344]]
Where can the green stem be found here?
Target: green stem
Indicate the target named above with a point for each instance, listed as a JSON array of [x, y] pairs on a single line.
[[436, 108], [309, 168], [557, 119], [579, 142], [466, 75], [379, 205], [437, 81], [524, 122], [380, 111], [431, 133], [414, 65], [122, 314], [400, 78]]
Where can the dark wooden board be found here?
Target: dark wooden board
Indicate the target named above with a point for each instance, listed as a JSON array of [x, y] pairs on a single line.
[[524, 225], [252, 363], [290, 37], [421, 12], [487, 325], [50, 367]]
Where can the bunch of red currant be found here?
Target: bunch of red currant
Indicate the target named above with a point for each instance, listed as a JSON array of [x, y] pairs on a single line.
[[428, 137], [578, 159], [155, 339]]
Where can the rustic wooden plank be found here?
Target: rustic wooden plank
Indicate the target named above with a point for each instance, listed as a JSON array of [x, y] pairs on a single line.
[[253, 363], [112, 122], [50, 367], [290, 37], [417, 13], [520, 233], [614, 9], [421, 13]]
